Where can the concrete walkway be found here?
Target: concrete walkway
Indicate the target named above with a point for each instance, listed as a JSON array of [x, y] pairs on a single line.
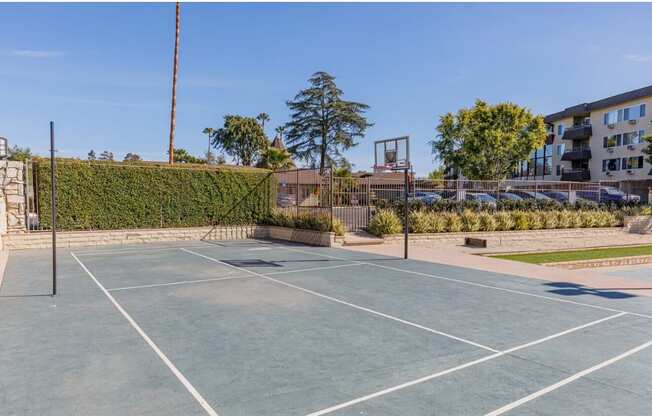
[[465, 257]]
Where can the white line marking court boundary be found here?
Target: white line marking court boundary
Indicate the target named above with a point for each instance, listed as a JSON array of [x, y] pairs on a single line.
[[191, 389], [352, 305]]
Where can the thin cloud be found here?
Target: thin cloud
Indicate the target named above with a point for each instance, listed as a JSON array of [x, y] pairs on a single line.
[[635, 57], [35, 54]]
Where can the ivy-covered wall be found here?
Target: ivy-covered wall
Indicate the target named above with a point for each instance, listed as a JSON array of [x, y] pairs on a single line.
[[113, 195]]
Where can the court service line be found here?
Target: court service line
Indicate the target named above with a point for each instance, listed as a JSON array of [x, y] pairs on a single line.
[[313, 269], [352, 305], [466, 282], [181, 282], [458, 368], [136, 250], [191, 389], [568, 380]]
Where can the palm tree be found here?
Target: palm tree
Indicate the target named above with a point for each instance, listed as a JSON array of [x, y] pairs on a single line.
[[263, 117], [175, 73], [276, 159], [209, 131]]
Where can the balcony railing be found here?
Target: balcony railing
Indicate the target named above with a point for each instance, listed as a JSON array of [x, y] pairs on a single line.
[[577, 153], [576, 175], [579, 132]]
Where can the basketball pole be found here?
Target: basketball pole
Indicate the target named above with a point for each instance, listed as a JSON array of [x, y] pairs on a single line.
[[53, 202], [407, 214]]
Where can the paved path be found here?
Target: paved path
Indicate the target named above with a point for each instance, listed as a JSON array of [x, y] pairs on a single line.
[[464, 257]]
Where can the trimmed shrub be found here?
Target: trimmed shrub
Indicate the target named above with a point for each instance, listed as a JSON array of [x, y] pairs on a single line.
[[504, 221], [470, 221], [487, 222], [564, 219], [113, 195], [385, 222], [420, 222], [338, 227], [550, 220], [535, 220], [521, 220], [453, 222], [590, 219], [304, 221]]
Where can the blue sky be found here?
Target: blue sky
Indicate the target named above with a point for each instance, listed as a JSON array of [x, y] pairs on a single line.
[[102, 71]]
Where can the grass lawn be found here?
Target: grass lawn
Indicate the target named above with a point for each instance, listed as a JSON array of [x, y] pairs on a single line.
[[590, 254]]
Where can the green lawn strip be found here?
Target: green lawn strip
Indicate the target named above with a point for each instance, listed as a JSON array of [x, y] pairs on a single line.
[[591, 254]]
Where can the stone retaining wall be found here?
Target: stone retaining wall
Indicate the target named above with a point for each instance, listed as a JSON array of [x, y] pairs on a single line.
[[139, 236], [587, 264], [12, 205], [507, 235]]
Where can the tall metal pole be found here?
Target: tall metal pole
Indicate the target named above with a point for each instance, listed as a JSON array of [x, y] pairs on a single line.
[[175, 74], [53, 203], [407, 215]]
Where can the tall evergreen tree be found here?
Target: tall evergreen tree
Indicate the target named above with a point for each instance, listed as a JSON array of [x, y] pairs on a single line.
[[322, 124], [91, 155]]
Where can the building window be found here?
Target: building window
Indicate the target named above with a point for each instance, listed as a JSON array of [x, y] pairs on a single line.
[[632, 162], [634, 137], [560, 149], [560, 130], [558, 170], [612, 141], [609, 165], [624, 114]]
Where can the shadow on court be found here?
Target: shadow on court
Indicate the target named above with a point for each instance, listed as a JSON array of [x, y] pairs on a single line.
[[574, 289]]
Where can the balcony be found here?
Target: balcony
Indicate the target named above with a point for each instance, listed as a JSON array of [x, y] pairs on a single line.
[[581, 132], [578, 153], [576, 175]]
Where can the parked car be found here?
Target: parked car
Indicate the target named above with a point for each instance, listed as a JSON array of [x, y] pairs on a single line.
[[481, 197], [557, 195], [428, 198], [286, 200], [532, 195], [609, 194], [505, 195]]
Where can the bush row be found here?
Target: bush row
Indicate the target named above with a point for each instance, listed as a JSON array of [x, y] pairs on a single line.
[[108, 196], [446, 205], [304, 221], [386, 221]]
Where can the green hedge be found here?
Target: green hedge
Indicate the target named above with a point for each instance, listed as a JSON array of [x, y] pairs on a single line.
[[112, 195]]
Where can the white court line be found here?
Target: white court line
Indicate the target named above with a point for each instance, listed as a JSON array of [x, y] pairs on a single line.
[[352, 305], [568, 380], [457, 368], [313, 268], [191, 389], [137, 250], [181, 282], [466, 282]]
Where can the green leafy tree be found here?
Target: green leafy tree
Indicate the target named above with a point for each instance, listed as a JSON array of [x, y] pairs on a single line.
[[648, 151], [91, 155], [322, 124], [131, 157], [242, 138], [106, 155], [181, 155], [488, 141], [437, 174], [275, 159], [20, 153]]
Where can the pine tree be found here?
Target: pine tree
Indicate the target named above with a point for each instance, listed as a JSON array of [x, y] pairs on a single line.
[[322, 124]]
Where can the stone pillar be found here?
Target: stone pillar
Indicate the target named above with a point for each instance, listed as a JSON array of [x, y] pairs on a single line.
[[13, 197]]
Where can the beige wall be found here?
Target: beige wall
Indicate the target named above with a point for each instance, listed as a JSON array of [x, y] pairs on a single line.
[[599, 153]]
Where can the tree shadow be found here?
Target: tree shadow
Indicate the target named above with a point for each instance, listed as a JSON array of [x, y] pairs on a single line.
[[574, 289]]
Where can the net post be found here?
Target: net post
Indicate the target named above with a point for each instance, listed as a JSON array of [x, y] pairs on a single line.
[[330, 194], [53, 202]]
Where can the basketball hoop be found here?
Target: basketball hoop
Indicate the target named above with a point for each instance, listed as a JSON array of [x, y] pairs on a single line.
[[392, 154]]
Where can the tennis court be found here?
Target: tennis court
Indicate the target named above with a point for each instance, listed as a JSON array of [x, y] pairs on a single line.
[[268, 328]]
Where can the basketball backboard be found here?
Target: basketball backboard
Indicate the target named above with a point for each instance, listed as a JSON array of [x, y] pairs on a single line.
[[392, 154]]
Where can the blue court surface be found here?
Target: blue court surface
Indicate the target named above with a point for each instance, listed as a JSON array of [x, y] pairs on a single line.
[[267, 328]]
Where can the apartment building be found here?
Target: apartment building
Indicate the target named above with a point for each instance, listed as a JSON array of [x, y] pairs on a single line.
[[597, 141]]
